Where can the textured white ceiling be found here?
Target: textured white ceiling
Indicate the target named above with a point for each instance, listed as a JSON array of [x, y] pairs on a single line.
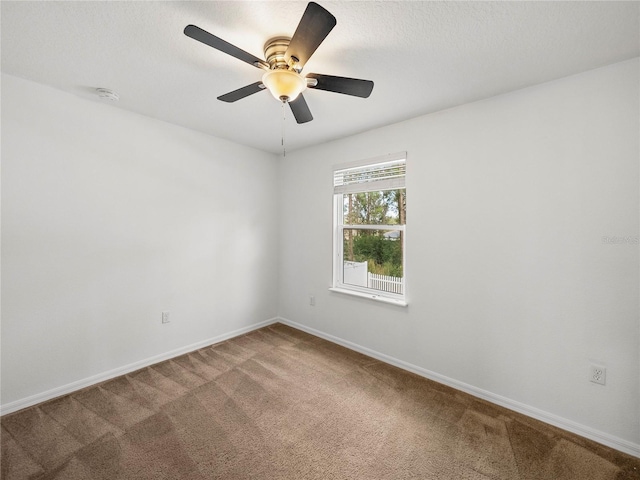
[[422, 56]]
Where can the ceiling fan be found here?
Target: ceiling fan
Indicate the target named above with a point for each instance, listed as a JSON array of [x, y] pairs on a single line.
[[285, 59]]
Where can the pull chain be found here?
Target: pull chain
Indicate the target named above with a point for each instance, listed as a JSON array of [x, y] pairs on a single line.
[[284, 110]]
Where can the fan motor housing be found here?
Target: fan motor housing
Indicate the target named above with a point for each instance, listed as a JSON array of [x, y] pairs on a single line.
[[274, 51]]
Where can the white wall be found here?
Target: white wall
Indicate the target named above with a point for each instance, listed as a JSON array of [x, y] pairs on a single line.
[[511, 289], [109, 218]]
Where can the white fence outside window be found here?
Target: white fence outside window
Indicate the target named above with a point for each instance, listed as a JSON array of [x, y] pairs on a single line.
[[355, 273], [386, 283]]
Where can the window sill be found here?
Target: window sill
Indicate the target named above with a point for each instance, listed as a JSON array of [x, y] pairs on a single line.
[[370, 296]]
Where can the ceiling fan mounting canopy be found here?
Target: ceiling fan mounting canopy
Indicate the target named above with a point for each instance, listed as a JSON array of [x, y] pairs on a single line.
[[285, 59]]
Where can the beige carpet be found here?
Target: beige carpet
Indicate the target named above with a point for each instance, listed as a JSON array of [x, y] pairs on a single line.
[[278, 403]]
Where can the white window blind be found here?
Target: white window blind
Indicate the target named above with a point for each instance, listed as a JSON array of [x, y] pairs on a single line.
[[382, 173]]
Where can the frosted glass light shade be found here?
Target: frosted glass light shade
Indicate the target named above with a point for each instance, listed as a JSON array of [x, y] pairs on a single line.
[[284, 85]]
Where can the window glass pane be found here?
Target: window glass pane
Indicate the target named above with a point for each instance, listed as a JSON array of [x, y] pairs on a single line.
[[373, 259], [384, 207]]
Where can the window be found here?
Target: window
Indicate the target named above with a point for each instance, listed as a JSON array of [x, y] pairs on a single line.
[[370, 205]]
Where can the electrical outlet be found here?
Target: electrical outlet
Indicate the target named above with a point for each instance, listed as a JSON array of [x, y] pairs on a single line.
[[165, 317], [598, 374]]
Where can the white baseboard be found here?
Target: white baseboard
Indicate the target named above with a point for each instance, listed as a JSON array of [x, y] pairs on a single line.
[[87, 382], [563, 423]]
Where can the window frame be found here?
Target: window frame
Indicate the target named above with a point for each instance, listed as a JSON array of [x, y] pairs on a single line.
[[339, 228]]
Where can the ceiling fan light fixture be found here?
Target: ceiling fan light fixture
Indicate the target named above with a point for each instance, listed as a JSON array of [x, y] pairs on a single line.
[[284, 85], [285, 57]]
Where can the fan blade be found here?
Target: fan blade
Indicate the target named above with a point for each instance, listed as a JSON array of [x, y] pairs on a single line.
[[301, 110], [208, 39], [347, 86], [314, 26], [242, 92]]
